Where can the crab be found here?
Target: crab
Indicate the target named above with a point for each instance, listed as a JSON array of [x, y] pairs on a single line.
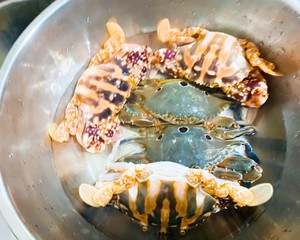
[[176, 101], [195, 146], [102, 91], [216, 60], [168, 194]]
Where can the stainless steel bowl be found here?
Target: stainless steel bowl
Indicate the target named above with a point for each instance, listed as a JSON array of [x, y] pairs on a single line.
[[39, 180]]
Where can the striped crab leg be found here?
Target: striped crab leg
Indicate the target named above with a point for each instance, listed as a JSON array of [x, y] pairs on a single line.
[[167, 34], [111, 46]]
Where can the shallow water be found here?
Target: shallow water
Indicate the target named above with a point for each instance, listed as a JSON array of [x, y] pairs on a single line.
[[75, 166]]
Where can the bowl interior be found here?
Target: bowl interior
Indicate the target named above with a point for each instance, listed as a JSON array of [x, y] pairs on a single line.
[[41, 178]]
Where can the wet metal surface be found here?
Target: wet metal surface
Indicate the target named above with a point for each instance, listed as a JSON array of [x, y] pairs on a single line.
[[14, 18]]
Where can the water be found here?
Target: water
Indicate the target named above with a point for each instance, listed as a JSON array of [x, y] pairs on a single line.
[[75, 166]]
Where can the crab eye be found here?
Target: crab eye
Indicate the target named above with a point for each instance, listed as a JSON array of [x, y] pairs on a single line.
[[184, 84], [159, 137], [208, 137], [183, 129], [157, 90], [195, 166]]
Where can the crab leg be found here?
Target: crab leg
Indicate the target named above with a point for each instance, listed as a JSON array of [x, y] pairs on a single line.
[[104, 193], [252, 54], [173, 35], [241, 195], [137, 115], [232, 134], [238, 168], [69, 125], [111, 46], [251, 92], [227, 128]]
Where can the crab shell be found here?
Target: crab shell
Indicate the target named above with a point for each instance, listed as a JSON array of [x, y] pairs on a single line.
[[178, 102], [216, 60], [167, 199], [168, 194]]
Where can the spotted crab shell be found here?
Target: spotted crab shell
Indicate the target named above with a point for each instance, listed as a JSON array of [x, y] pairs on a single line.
[[178, 102]]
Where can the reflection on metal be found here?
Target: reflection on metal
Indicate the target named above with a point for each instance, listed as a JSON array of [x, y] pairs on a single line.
[[15, 15]]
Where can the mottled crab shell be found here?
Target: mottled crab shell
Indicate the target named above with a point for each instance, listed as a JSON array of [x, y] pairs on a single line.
[[178, 102], [102, 91], [216, 60], [100, 94]]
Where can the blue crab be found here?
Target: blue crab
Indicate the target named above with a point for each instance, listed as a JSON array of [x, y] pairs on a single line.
[[195, 146], [102, 91], [176, 101], [168, 194], [216, 60]]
